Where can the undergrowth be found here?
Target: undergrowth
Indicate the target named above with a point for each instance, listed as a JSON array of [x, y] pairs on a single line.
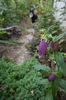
[[20, 82]]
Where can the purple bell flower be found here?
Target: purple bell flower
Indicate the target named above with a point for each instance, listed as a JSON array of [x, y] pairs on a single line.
[[51, 77], [56, 45], [64, 60], [1, 87], [42, 48], [53, 45]]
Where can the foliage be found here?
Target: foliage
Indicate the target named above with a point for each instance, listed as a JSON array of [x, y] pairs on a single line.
[[24, 82], [53, 86], [18, 81], [30, 80], [60, 62], [49, 28], [12, 11], [50, 31]]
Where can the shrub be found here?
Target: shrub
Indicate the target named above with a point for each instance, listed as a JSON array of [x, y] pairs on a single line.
[[20, 82]]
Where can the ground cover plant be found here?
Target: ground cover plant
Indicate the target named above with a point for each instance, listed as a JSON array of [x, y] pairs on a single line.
[[20, 82], [24, 82]]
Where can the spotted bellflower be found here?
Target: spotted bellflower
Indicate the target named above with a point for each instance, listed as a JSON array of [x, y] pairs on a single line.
[[1, 87], [51, 77], [42, 48], [64, 60], [53, 45]]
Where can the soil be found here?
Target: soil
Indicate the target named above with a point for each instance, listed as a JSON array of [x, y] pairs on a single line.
[[19, 53]]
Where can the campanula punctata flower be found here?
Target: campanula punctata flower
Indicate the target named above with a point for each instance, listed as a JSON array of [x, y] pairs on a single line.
[[53, 45], [42, 48], [51, 77], [1, 87], [64, 60]]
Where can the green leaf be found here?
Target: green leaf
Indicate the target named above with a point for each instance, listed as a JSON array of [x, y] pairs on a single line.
[[60, 62], [41, 67], [54, 32], [11, 42], [46, 83], [55, 86], [58, 37], [49, 95], [63, 84], [62, 40]]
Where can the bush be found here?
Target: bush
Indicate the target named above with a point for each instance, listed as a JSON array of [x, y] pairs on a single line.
[[20, 82]]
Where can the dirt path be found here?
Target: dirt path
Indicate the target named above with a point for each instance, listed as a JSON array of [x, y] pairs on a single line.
[[20, 54]]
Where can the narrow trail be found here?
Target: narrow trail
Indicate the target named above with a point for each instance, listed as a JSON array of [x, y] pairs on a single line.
[[19, 54]]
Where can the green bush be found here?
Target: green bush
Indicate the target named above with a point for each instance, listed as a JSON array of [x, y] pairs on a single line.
[[19, 81]]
